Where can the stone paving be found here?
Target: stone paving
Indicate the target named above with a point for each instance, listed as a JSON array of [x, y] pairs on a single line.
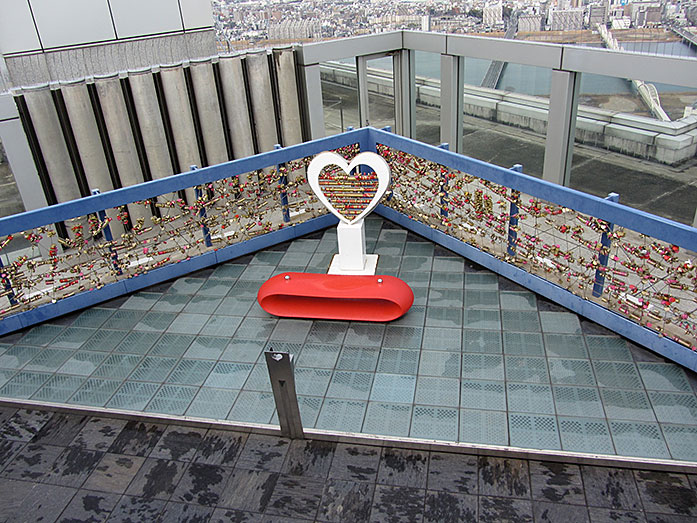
[[68, 467]]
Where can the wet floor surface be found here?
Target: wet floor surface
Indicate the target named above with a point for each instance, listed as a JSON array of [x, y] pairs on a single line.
[[67, 467]]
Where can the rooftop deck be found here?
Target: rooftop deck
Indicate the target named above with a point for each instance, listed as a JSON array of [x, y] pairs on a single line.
[[478, 359]]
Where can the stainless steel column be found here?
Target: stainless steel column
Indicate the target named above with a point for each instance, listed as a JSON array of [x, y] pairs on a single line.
[[208, 107]]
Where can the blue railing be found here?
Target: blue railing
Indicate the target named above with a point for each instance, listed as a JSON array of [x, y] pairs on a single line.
[[623, 268]]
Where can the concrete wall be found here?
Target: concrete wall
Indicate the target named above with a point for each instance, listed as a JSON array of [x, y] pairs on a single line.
[[665, 142]]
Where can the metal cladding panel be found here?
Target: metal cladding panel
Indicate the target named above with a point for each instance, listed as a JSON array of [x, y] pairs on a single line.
[[208, 107], [137, 18], [232, 78], [291, 125], [526, 53], [150, 122], [179, 110], [261, 95], [44, 117], [17, 29], [71, 22]]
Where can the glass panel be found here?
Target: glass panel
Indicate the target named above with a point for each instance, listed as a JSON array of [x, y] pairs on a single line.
[[621, 146], [339, 95], [505, 113], [381, 110], [427, 97]]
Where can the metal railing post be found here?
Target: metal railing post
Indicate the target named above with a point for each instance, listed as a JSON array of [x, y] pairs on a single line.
[[202, 212], [282, 182], [444, 186], [513, 216], [108, 237], [7, 285], [599, 280], [282, 376]]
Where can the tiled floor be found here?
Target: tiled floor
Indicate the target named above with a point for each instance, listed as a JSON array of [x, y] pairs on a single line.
[[64, 467], [477, 359]]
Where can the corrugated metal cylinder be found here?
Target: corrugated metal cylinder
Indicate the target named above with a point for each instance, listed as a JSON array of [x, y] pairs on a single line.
[[89, 145], [179, 109], [152, 128], [291, 125], [232, 78], [262, 100], [289, 105], [121, 139], [208, 107], [44, 118]]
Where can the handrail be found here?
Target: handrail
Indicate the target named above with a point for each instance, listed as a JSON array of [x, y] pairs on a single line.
[[144, 191]]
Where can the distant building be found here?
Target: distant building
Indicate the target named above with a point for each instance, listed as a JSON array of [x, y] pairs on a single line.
[[295, 30], [565, 19], [426, 23], [529, 23], [492, 15], [623, 22], [645, 14], [597, 14]]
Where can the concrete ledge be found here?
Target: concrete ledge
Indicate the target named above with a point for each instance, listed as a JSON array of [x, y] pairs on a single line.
[[630, 133]]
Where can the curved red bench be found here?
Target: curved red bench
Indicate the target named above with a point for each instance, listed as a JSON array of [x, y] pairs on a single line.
[[336, 297]]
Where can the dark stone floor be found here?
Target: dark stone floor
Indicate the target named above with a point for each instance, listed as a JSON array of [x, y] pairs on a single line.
[[65, 467]]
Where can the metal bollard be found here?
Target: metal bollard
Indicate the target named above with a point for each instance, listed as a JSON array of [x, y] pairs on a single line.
[[603, 257], [513, 216], [282, 376]]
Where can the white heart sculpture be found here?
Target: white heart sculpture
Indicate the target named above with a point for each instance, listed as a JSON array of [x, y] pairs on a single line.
[[372, 160]]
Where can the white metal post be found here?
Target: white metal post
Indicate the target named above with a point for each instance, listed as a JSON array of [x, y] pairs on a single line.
[[561, 126], [452, 87], [404, 92]]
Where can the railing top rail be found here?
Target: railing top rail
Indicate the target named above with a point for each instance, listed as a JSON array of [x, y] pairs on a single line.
[[678, 70], [640, 221], [91, 204]]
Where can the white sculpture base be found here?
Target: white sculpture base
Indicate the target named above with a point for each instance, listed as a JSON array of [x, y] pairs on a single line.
[[369, 268], [352, 258]]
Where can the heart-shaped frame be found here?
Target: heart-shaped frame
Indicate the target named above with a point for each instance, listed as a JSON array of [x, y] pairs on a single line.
[[372, 160]]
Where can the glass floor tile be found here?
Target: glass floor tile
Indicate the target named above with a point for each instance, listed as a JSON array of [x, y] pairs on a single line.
[[585, 435], [473, 361]]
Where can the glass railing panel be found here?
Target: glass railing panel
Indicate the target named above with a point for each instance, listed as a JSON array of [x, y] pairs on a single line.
[[428, 77], [506, 106], [636, 139], [381, 109], [339, 95]]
